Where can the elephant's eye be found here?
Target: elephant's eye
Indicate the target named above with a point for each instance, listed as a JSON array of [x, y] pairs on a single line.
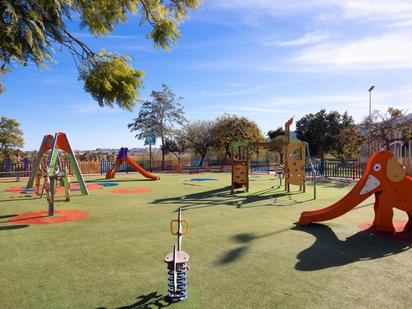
[[377, 167]]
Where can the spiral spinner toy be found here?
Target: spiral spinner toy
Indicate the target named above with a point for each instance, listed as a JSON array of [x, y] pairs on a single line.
[[177, 261]]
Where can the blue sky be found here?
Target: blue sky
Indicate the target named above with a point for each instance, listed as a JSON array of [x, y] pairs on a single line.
[[264, 59]]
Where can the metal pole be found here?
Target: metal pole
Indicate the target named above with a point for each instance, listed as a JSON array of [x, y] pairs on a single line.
[[370, 118], [179, 230], [370, 103], [51, 201], [150, 158], [174, 270]]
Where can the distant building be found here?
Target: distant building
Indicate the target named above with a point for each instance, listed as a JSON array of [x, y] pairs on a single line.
[[401, 149]]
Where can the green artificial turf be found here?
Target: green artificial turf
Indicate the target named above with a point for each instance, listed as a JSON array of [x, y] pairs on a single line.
[[245, 250]]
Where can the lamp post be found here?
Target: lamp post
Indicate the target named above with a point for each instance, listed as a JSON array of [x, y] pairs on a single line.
[[370, 100], [370, 117]]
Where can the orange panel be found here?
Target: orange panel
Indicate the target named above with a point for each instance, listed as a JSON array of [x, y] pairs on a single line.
[[62, 143]]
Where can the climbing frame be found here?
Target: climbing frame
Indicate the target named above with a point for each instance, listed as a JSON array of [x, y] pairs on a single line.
[[56, 143]]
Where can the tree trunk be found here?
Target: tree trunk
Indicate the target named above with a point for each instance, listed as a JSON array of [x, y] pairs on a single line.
[[322, 155], [281, 157], [163, 154], [203, 156], [226, 152]]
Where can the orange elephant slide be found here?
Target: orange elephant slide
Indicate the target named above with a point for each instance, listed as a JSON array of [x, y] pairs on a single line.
[[385, 178]]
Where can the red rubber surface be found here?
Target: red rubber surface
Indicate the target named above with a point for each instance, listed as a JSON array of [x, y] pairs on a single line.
[[16, 189], [40, 217], [76, 187], [399, 233], [130, 190]]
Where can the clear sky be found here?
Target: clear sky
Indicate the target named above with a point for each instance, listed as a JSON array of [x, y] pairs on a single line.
[[264, 59]]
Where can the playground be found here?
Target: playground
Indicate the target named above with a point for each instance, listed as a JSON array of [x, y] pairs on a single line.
[[245, 249], [205, 154]]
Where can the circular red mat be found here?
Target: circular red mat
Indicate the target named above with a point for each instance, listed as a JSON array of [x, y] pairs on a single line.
[[130, 190], [76, 187], [16, 189], [40, 217], [399, 233]]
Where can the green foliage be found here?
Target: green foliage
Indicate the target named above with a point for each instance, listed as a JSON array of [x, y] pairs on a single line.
[[11, 137], [158, 116], [278, 144], [3, 71], [29, 31], [200, 136], [229, 128], [275, 133], [176, 144], [349, 144], [112, 80], [322, 131]]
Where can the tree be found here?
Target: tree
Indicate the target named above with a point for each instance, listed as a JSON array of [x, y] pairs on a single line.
[[11, 137], [158, 116], [176, 144], [387, 128], [30, 31], [349, 144], [278, 142], [86, 156], [275, 133], [321, 130], [229, 128], [199, 136]]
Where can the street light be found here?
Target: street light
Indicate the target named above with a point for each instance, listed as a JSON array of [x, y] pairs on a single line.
[[370, 100], [370, 119]]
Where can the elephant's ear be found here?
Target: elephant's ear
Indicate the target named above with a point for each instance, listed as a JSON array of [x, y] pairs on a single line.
[[394, 170]]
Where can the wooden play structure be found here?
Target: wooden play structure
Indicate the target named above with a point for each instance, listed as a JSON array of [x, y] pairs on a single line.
[[295, 161], [122, 156], [296, 156], [177, 261], [384, 177], [49, 171], [240, 165]]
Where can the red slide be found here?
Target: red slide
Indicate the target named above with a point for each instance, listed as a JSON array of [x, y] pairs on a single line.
[[140, 169], [348, 202], [385, 177]]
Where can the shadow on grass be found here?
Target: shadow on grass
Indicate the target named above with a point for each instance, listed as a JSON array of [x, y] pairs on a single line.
[[149, 301], [329, 251], [192, 184], [223, 196], [245, 239], [232, 255], [12, 227], [118, 180], [20, 198], [22, 219], [7, 216], [329, 183]]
